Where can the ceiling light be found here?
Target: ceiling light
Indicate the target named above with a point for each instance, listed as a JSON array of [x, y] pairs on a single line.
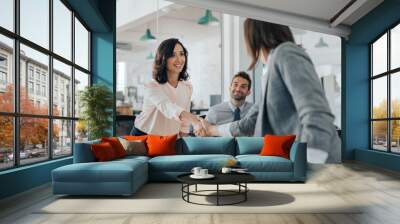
[[150, 56], [147, 36], [208, 19], [321, 43]]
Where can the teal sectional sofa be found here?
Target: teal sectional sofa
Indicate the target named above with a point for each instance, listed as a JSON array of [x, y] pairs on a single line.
[[125, 176]]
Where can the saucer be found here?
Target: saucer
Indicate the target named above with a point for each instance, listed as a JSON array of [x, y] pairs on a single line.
[[240, 171], [208, 176]]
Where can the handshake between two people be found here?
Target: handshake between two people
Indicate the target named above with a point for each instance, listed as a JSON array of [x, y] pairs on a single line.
[[201, 127]]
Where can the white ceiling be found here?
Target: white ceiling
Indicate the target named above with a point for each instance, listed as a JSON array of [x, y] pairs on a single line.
[[321, 9], [131, 34], [314, 15]]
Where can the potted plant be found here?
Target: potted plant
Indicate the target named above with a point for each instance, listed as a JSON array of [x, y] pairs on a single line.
[[96, 103]]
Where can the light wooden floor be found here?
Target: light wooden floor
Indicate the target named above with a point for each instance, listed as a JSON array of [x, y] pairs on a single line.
[[378, 188]]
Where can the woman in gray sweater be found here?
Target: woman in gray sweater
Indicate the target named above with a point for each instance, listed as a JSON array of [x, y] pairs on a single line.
[[293, 101]]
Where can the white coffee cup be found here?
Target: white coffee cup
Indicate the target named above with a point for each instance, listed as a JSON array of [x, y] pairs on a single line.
[[226, 170], [196, 170], [203, 172]]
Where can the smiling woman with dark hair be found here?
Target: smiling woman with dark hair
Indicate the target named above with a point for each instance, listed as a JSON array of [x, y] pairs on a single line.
[[167, 97], [165, 51]]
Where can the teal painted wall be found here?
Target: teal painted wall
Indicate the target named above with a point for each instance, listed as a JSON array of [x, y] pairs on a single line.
[[24, 178], [356, 99], [356, 93], [380, 159], [104, 53], [100, 17], [89, 11]]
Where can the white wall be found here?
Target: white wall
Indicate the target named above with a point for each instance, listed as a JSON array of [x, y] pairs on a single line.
[[129, 11], [235, 57], [327, 61], [204, 60]]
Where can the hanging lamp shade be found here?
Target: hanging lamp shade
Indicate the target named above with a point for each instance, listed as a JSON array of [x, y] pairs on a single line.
[[208, 19], [321, 43], [150, 56], [147, 36]]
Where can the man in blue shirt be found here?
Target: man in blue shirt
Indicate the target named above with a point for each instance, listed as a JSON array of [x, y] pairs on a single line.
[[237, 107]]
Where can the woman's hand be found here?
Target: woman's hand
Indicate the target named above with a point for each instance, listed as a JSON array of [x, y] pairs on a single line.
[[194, 120], [206, 129], [186, 116], [201, 132], [211, 130]]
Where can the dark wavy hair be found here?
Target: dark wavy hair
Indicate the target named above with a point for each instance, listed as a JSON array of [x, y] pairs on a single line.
[[259, 34], [242, 75], [165, 51]]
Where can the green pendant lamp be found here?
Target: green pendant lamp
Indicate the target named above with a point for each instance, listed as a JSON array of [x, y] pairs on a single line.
[[208, 19], [150, 56], [321, 43], [148, 36]]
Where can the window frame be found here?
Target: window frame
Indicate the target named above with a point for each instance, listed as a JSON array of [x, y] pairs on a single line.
[[3, 77], [388, 74], [6, 61], [15, 71], [3, 71]]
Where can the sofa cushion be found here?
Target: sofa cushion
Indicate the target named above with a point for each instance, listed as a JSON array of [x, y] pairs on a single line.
[[257, 163], [249, 145], [133, 137], [277, 145], [134, 147], [103, 152], [185, 163], [131, 158], [206, 145], [116, 145], [161, 145]]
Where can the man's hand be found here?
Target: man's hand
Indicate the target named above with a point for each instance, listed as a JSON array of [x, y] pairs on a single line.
[[201, 132], [207, 129], [198, 128]]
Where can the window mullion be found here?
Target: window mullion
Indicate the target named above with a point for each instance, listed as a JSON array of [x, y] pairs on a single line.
[[389, 94], [73, 82], [16, 83], [371, 89], [50, 81]]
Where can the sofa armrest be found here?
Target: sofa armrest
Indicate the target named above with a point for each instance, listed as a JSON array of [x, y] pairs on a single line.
[[83, 152], [298, 155]]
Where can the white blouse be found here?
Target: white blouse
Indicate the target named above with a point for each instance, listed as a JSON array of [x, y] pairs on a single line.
[[162, 106]]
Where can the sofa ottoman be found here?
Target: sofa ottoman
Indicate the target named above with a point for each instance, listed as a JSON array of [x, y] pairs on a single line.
[[87, 177], [119, 177]]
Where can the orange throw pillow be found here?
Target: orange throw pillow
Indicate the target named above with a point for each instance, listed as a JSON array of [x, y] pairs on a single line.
[[161, 145], [116, 145], [103, 152], [277, 145], [135, 138]]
